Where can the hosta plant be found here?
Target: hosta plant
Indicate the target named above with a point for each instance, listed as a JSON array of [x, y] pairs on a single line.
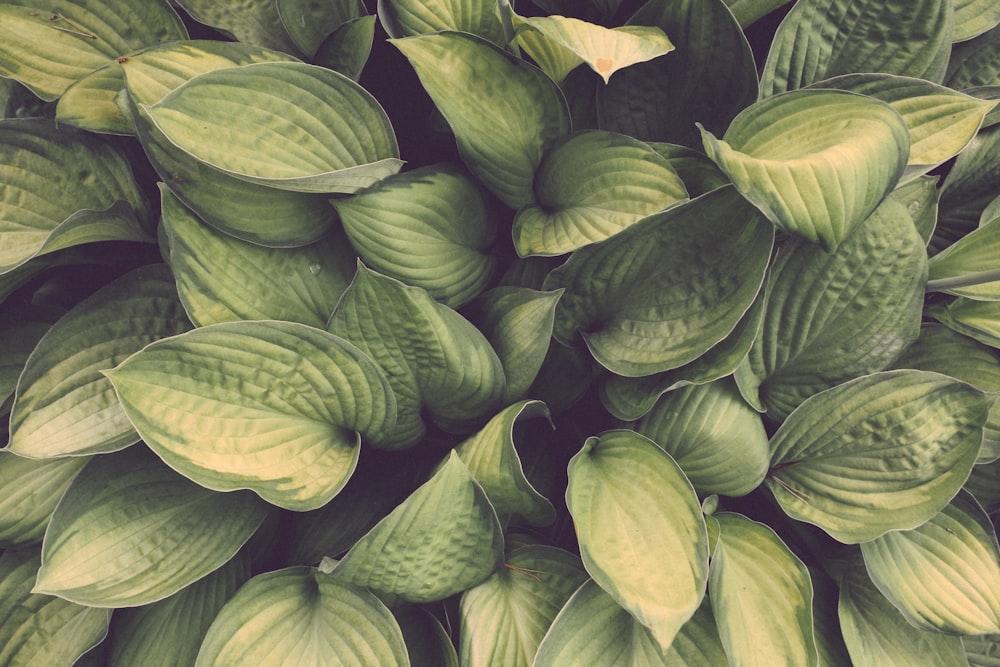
[[454, 332]]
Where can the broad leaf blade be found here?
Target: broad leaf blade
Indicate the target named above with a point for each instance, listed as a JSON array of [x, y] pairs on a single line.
[[348, 48], [966, 267], [641, 532], [89, 104], [130, 531], [785, 154], [64, 406], [299, 616], [884, 452], [250, 21], [443, 539], [30, 491], [975, 62], [405, 18], [504, 112], [276, 407], [308, 22], [973, 18]]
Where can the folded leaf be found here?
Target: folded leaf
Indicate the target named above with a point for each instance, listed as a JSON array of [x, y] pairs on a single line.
[[968, 267], [815, 162], [130, 531], [276, 407], [308, 22], [979, 320], [89, 104], [405, 18], [884, 452], [427, 642], [347, 49], [641, 531], [249, 21]]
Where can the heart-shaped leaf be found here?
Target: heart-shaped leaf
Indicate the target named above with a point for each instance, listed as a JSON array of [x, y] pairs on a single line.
[[632, 296], [504, 112], [641, 531], [785, 154], [761, 595], [434, 358], [64, 406], [443, 539], [303, 617], [430, 227], [29, 492], [221, 278], [504, 619], [130, 531], [276, 407], [589, 187], [884, 452]]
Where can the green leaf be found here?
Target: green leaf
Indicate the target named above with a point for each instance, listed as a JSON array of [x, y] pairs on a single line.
[[667, 289], [221, 278], [641, 532], [493, 461], [714, 436], [443, 539], [405, 18], [975, 62], [261, 123], [309, 22], [130, 531], [761, 595], [819, 39], [430, 227], [920, 197], [979, 320], [61, 188], [49, 47], [64, 406], [426, 639], [170, 632], [436, 361], [969, 187], [604, 50], [250, 21], [785, 153], [943, 575], [504, 619], [708, 79], [276, 407], [877, 636], [29, 492], [505, 113], [347, 49], [40, 629], [884, 452], [302, 617], [20, 331], [968, 267], [973, 18], [555, 59], [983, 485], [90, 103], [833, 316], [982, 650], [591, 186]]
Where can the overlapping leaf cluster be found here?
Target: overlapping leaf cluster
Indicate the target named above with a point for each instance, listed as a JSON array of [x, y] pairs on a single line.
[[447, 332]]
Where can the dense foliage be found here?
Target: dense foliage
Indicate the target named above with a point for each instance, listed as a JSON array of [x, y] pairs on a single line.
[[449, 332]]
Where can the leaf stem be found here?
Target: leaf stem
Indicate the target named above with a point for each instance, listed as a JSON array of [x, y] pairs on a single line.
[[967, 280]]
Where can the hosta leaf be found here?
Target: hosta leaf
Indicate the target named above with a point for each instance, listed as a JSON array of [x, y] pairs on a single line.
[[427, 641], [441, 540], [250, 21], [973, 18], [435, 359], [984, 485], [943, 575], [884, 452], [276, 407], [969, 266], [430, 227], [920, 197], [518, 323], [47, 47], [222, 279], [714, 436], [298, 616], [504, 618], [979, 320], [826, 621], [41, 629], [405, 18], [982, 650], [169, 632], [761, 595], [642, 535], [308, 22], [64, 406], [941, 350], [632, 297], [29, 492], [347, 49], [698, 173], [941, 121], [505, 113], [89, 104], [59, 188], [591, 186], [970, 186], [604, 50], [833, 316], [819, 39], [975, 62], [631, 398], [261, 123], [785, 153], [551, 56], [20, 331], [130, 531], [877, 636], [492, 459], [708, 79]]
